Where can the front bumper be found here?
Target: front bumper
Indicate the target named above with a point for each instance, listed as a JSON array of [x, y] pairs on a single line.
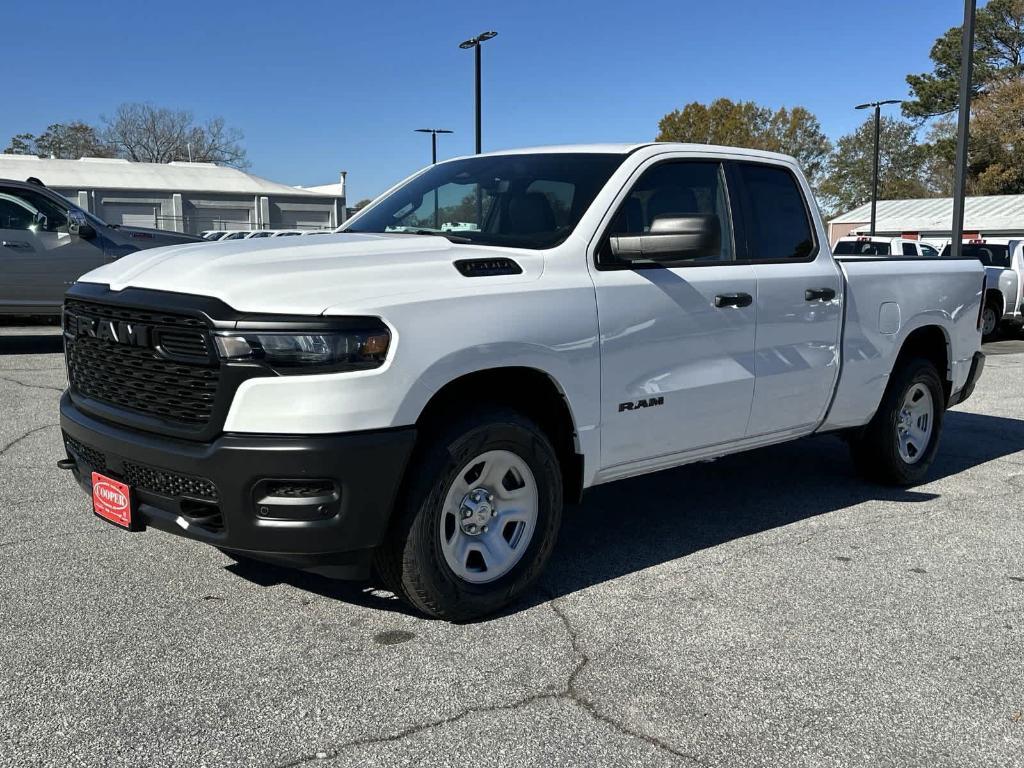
[[209, 491], [977, 366]]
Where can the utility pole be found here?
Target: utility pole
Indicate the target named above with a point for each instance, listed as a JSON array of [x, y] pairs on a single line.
[[963, 128]]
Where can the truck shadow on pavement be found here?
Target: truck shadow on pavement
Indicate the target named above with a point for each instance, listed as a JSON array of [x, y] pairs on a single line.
[[42, 343], [642, 522]]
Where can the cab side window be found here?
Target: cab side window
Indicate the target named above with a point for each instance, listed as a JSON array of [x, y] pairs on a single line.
[[909, 249], [668, 190], [56, 214], [778, 225], [14, 214]]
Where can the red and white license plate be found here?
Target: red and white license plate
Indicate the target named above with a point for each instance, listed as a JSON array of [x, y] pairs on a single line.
[[112, 500]]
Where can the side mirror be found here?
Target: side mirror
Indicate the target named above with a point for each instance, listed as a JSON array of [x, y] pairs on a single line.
[[80, 226], [39, 221], [672, 238]]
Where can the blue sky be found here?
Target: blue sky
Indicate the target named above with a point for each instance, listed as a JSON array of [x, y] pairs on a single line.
[[322, 86]]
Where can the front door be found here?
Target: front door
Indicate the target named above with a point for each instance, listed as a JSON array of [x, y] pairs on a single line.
[[39, 258], [677, 370]]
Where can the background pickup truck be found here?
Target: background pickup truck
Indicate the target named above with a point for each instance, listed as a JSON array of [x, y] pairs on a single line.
[[422, 398], [46, 243], [1003, 259]]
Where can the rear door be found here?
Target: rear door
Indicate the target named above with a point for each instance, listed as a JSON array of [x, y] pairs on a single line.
[[799, 306], [676, 359]]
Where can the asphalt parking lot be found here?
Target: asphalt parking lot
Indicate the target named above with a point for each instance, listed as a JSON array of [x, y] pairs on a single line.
[[769, 609]]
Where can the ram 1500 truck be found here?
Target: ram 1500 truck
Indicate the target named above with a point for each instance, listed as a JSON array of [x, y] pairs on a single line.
[[421, 396]]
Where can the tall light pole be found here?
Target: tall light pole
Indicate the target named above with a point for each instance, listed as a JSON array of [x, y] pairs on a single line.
[[433, 140], [874, 174], [433, 161], [474, 42], [963, 128]]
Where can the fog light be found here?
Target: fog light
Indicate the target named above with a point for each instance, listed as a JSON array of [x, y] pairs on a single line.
[[296, 500]]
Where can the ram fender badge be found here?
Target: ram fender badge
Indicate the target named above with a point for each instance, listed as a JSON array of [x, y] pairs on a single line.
[[650, 402]]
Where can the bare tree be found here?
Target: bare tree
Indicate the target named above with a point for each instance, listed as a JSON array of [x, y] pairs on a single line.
[[149, 134]]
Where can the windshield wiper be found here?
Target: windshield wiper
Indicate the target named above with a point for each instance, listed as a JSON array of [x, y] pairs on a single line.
[[451, 237]]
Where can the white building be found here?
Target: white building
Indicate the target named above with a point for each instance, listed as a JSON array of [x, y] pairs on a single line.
[[992, 215], [180, 196]]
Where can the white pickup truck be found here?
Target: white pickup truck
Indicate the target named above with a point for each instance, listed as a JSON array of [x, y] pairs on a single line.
[[422, 398], [1003, 260]]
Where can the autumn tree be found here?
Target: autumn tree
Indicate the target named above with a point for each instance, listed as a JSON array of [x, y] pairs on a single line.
[[997, 141], [998, 57], [795, 131], [64, 141]]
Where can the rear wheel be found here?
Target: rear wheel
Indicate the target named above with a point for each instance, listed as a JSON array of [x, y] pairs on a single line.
[[899, 444], [478, 519], [989, 321]]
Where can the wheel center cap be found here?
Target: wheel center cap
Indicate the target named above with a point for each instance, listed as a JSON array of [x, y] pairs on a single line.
[[476, 511]]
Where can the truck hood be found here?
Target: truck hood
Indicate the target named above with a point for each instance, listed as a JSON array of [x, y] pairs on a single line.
[[306, 275]]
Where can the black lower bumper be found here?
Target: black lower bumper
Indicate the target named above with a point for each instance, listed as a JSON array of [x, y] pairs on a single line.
[[977, 366], [217, 492]]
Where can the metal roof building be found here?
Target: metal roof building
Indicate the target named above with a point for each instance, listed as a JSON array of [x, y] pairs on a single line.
[[994, 215], [179, 196]]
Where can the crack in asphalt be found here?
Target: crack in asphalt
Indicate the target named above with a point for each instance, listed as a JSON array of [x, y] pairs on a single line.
[[571, 692], [31, 386], [25, 436]]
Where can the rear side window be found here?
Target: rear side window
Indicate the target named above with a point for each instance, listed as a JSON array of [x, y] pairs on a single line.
[[989, 254], [860, 248], [909, 249], [778, 224]]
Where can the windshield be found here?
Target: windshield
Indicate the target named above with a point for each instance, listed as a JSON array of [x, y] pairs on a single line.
[[989, 254], [519, 201], [860, 248]]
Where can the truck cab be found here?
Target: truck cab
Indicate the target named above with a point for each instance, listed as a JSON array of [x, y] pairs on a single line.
[[46, 243]]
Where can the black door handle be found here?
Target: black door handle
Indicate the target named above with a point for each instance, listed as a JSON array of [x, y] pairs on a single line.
[[825, 294], [733, 300]]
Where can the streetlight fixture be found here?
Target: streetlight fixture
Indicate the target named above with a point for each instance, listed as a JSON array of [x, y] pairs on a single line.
[[474, 42], [433, 140], [433, 161], [874, 176]]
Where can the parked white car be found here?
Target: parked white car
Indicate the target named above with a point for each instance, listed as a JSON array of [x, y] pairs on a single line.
[[867, 245], [1003, 259], [425, 401]]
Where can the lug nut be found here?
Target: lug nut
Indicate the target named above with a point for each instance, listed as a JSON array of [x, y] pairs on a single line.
[[471, 528], [494, 513], [466, 513], [485, 529]]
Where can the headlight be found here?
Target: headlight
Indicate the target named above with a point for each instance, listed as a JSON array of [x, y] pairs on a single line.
[[349, 350]]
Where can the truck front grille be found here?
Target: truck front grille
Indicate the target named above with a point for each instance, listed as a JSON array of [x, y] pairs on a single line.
[[151, 363]]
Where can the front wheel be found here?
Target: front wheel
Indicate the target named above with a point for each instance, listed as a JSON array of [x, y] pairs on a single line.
[[899, 444], [479, 517]]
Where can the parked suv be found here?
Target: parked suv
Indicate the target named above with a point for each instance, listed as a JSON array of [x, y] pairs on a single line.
[[46, 243]]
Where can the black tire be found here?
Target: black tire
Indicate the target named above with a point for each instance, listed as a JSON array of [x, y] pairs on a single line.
[[991, 309], [876, 450], [411, 562]]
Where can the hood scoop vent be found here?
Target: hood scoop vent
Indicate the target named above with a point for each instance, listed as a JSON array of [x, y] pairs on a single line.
[[488, 267]]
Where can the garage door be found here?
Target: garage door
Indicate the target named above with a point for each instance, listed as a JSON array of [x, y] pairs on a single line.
[[131, 214]]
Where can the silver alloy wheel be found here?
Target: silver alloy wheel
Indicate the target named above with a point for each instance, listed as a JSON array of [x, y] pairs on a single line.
[[988, 321], [914, 423], [489, 516]]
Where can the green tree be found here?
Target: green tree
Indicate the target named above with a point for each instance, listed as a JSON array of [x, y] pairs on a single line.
[[998, 57], [21, 144], [997, 141], [363, 203], [903, 166], [795, 131]]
